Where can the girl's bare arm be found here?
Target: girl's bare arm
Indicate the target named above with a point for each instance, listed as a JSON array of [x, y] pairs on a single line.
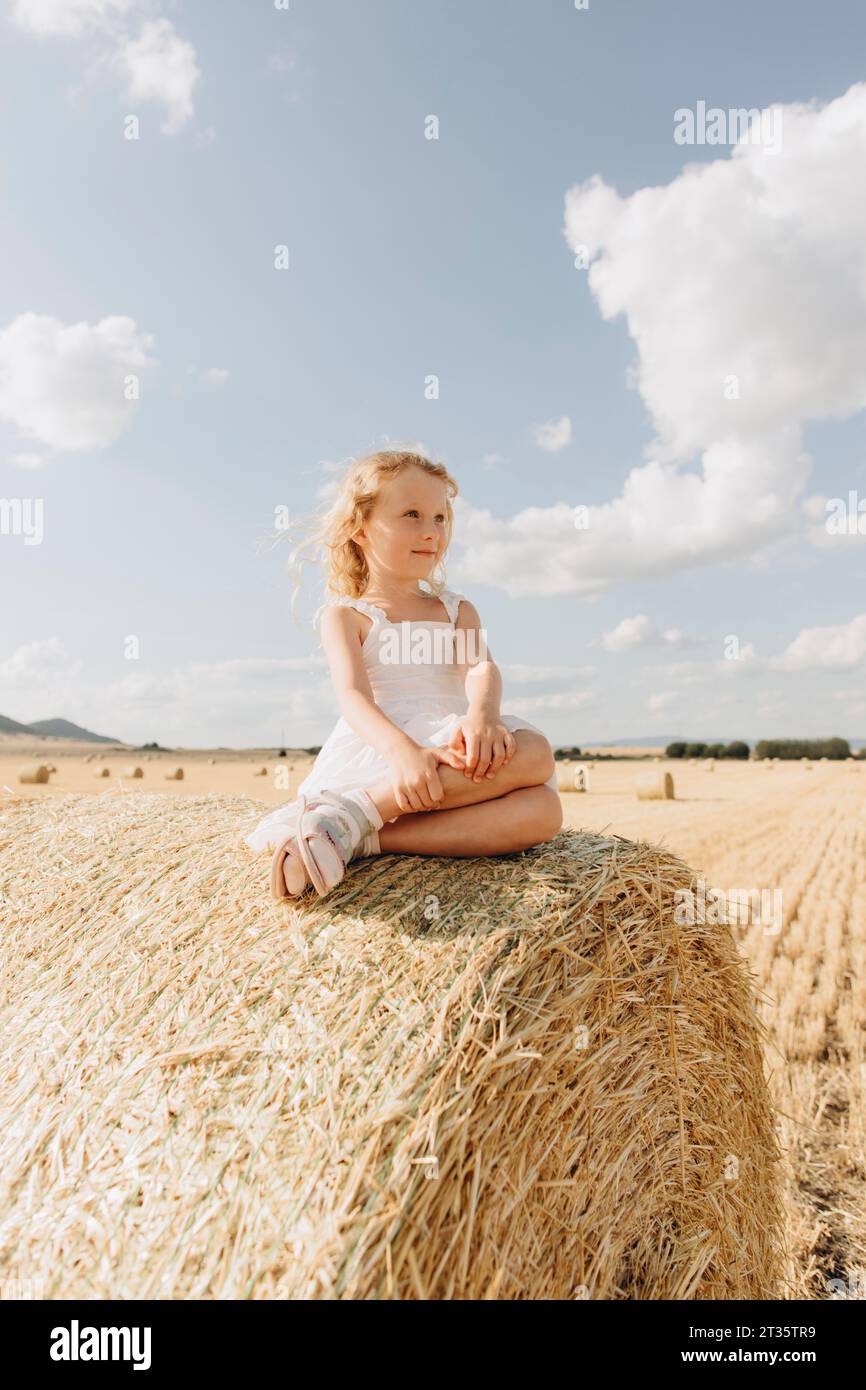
[[342, 636], [481, 675]]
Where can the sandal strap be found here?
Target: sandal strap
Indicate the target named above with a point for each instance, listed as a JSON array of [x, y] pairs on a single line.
[[326, 798]]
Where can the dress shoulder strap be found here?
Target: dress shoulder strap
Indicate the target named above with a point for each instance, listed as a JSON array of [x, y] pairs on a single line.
[[451, 600], [361, 604]]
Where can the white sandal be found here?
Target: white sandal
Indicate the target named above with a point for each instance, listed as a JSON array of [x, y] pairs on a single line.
[[328, 833]]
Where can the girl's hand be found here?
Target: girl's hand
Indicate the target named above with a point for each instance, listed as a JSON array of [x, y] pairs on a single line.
[[486, 745], [417, 785]]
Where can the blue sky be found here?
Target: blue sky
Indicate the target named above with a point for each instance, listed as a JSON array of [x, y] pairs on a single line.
[[455, 256]]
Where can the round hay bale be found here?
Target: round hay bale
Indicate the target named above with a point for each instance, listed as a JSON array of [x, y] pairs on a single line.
[[710, 765], [211, 762], [564, 777], [102, 772], [176, 775], [571, 777], [692, 761], [130, 772], [90, 758], [35, 773], [565, 1096], [261, 772], [654, 786]]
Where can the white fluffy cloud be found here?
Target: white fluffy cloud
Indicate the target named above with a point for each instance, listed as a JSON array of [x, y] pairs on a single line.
[[640, 632], [38, 664], [554, 435], [839, 648], [66, 385], [743, 285], [156, 64], [161, 66], [560, 702], [67, 18]]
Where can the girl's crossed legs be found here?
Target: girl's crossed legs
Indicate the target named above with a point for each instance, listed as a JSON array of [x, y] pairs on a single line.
[[511, 811]]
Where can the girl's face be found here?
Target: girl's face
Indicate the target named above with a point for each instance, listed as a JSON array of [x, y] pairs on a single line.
[[405, 533]]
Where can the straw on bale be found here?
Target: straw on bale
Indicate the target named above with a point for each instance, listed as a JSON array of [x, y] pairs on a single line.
[[176, 775], [51, 767], [35, 773], [511, 1078], [133, 772], [654, 786]]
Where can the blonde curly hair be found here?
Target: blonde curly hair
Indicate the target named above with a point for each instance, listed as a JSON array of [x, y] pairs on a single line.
[[346, 571]]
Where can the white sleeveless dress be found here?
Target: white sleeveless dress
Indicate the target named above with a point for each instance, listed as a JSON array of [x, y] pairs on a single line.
[[425, 700]]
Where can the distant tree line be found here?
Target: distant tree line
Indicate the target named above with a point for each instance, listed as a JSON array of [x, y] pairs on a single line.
[[566, 754], [803, 748], [707, 750]]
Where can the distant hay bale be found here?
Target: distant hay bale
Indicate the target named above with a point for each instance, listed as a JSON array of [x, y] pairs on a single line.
[[102, 772], [35, 773], [515, 1078], [710, 765], [176, 775], [571, 777], [211, 762], [130, 772], [693, 761], [261, 772], [654, 786], [564, 777], [90, 758]]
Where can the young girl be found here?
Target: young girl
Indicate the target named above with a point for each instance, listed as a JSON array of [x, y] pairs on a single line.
[[421, 760]]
